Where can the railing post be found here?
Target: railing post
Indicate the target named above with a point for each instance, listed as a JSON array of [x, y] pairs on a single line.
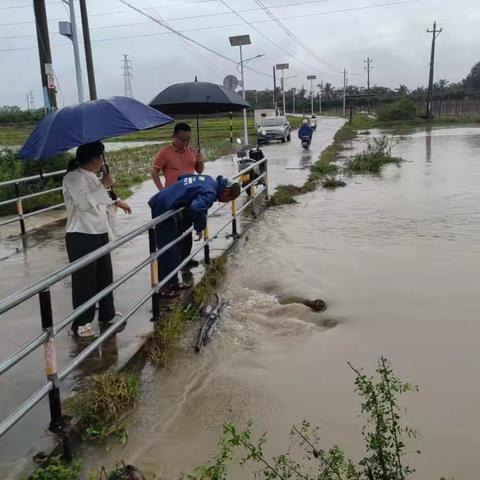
[[57, 424], [266, 179], [234, 218], [20, 208], [206, 248], [152, 241]]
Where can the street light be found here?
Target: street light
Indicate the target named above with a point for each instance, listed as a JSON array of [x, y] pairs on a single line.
[[282, 67], [239, 41], [311, 78]]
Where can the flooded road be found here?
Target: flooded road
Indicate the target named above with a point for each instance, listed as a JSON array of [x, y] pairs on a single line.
[[45, 252], [397, 258]]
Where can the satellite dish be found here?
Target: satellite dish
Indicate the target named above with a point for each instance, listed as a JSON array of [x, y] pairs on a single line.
[[230, 82]]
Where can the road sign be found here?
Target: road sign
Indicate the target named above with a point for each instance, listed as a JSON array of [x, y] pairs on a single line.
[[311, 77], [282, 66], [230, 82]]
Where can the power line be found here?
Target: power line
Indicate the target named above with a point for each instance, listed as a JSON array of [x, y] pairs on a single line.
[[210, 27], [266, 36], [216, 14], [291, 35], [185, 37]]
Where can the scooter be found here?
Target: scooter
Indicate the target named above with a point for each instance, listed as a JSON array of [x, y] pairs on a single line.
[[306, 141], [248, 155]]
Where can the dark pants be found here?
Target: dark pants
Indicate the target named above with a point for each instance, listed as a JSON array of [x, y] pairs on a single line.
[[185, 224], [166, 232], [92, 278]]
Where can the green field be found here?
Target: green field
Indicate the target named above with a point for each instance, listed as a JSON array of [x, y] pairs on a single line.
[[129, 165]]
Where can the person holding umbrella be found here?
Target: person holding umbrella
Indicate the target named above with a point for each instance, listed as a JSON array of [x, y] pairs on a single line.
[[87, 200], [174, 160]]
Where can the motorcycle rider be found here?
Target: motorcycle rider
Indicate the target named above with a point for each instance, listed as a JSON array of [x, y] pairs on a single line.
[[313, 122], [305, 130]]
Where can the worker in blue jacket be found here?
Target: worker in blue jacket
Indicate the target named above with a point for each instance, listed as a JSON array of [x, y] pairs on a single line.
[[196, 193]]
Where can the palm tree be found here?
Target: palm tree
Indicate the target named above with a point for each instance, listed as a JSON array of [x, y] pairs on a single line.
[[328, 90]]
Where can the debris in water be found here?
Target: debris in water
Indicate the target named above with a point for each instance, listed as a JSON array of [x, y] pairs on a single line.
[[317, 305], [123, 472], [210, 317]]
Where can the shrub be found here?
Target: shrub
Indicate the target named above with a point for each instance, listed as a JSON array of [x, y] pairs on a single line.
[[404, 109], [103, 404], [57, 470]]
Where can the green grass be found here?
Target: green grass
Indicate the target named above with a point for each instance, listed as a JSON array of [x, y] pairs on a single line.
[[162, 341], [331, 182], [102, 405], [377, 154], [363, 122], [322, 168]]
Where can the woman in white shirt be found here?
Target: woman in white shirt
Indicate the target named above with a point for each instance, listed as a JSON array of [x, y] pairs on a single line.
[[86, 199]]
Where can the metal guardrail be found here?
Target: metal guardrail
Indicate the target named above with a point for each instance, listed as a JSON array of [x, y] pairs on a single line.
[[18, 199], [50, 330]]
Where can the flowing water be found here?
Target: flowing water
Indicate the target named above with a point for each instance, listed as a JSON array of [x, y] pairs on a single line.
[[43, 251], [397, 258]]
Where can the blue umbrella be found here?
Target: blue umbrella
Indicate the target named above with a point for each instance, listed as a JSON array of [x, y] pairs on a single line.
[[88, 122]]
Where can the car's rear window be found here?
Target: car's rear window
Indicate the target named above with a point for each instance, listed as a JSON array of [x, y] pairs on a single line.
[[272, 122]]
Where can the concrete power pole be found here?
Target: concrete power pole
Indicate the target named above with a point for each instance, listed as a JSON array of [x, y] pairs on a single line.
[[76, 52], [320, 91], [368, 68], [435, 33], [275, 91], [344, 92], [311, 78], [127, 75], [88, 50], [45, 56]]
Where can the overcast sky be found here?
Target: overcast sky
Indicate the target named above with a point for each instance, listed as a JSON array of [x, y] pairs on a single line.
[[340, 33]]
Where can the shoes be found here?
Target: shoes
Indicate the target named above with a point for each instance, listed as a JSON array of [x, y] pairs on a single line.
[[84, 331]]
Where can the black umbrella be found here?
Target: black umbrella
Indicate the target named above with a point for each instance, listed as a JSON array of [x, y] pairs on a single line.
[[198, 98]]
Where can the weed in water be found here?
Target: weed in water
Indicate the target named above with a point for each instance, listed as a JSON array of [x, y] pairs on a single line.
[[166, 333], [377, 154], [103, 404], [383, 434], [333, 182], [58, 470]]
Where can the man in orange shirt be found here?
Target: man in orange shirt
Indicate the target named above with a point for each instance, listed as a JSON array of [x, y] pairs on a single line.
[[178, 158]]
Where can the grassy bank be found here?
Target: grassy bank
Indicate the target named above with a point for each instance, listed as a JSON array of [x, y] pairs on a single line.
[[375, 156], [364, 122], [325, 166]]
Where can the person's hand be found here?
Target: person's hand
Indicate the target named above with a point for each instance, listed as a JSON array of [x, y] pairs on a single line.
[[199, 236], [107, 180], [124, 206]]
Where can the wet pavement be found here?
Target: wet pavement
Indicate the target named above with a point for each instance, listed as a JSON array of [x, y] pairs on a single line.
[[45, 252], [396, 257]]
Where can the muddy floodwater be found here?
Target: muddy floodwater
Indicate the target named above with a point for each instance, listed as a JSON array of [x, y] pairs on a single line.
[[397, 258]]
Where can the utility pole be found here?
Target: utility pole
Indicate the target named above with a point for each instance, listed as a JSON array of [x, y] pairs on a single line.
[[435, 33], [28, 103], [283, 67], [88, 50], [275, 91], [294, 93], [320, 89], [45, 56], [368, 68], [311, 78], [72, 34], [127, 76], [344, 92]]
